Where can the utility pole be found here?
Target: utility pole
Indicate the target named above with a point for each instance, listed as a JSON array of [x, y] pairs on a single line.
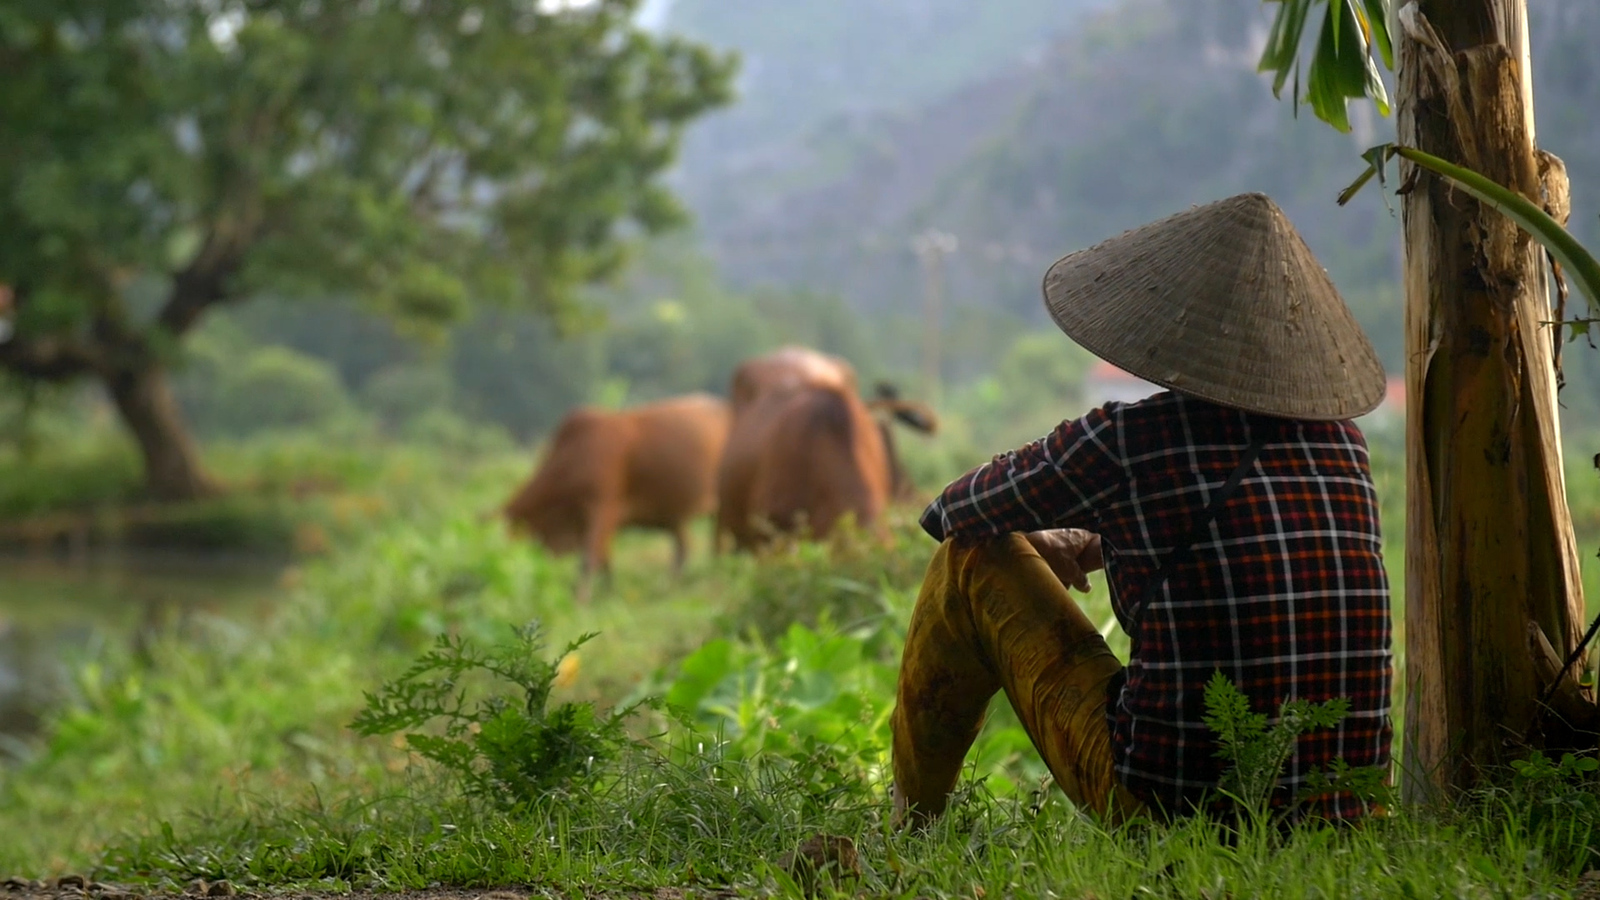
[[931, 247]]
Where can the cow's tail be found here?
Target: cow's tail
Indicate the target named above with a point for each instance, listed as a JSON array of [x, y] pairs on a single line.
[[913, 415]]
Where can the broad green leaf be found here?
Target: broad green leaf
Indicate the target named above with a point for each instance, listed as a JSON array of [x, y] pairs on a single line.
[[1372, 79], [1378, 18], [1329, 82], [1281, 53], [1343, 64], [1375, 89]]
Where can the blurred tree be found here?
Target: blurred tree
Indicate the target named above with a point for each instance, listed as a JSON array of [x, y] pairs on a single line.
[[265, 388], [418, 154], [1490, 549], [1041, 374], [517, 371], [404, 392]]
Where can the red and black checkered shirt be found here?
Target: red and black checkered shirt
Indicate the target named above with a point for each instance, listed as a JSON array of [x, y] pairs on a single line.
[[1285, 595]]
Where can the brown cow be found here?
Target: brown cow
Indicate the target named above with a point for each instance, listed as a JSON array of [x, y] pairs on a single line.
[[786, 370], [804, 450], [653, 466]]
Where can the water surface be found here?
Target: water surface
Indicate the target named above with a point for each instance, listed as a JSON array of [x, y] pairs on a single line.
[[56, 612]]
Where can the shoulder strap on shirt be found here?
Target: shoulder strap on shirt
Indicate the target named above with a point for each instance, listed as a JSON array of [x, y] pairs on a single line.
[[1181, 552]]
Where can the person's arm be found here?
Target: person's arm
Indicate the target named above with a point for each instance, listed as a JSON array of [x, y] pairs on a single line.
[[1054, 482]]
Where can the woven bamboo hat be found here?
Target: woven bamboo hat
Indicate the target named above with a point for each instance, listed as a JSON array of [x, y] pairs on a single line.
[[1224, 302]]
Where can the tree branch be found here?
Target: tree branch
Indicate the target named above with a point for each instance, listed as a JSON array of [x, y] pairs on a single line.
[[204, 283], [49, 358], [46, 357], [236, 227]]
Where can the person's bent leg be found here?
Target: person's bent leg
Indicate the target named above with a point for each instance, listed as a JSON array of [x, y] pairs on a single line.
[[945, 685], [994, 616]]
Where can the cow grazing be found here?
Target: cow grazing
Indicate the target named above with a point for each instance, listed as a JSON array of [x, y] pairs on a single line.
[[652, 466], [804, 450], [785, 371]]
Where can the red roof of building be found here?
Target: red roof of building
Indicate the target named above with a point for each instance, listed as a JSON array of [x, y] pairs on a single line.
[[1104, 371], [1394, 393]]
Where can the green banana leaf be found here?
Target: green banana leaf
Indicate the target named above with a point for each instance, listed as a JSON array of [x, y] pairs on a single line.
[[1575, 259], [1343, 66]]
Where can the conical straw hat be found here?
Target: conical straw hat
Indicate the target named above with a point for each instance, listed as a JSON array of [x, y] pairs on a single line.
[[1224, 302]]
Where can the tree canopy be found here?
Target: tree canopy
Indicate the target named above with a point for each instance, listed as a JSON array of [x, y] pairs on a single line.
[[162, 157]]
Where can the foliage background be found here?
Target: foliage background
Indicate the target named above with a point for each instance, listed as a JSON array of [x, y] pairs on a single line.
[[214, 743]]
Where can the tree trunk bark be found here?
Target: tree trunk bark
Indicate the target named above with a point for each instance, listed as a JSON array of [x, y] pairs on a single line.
[[1489, 541], [172, 466]]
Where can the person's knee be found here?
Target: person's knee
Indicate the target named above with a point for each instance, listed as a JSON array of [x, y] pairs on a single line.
[[972, 563], [943, 574]]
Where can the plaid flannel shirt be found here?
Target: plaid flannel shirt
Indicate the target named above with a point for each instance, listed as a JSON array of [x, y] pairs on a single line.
[[1285, 595]]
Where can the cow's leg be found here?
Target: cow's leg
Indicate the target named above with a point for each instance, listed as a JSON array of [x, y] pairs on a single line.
[[680, 548], [604, 520]]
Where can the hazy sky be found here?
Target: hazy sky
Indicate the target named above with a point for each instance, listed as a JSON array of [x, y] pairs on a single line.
[[654, 12]]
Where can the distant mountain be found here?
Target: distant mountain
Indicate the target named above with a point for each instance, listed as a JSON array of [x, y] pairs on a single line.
[[1137, 112], [804, 62], [816, 77]]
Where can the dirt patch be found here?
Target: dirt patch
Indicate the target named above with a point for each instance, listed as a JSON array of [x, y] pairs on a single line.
[[72, 887]]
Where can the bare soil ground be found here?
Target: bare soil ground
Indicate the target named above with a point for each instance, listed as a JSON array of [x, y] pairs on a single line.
[[72, 887]]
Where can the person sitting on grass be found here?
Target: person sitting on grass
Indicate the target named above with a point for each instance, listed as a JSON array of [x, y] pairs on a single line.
[[1234, 514]]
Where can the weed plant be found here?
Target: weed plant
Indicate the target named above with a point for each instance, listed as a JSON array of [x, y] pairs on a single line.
[[510, 750]]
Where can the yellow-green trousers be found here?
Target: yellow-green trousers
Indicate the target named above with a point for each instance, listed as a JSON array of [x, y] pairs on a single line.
[[992, 616]]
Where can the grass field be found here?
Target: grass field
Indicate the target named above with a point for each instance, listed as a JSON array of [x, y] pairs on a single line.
[[221, 748]]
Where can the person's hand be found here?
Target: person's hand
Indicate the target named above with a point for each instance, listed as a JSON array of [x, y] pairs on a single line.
[[1071, 553]]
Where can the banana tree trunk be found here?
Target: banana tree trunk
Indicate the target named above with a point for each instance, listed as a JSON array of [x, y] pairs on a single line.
[[1489, 541]]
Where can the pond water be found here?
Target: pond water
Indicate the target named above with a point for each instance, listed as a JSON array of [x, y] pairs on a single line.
[[56, 611]]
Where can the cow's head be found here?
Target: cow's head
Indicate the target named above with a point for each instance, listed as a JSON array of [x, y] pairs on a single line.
[[559, 530]]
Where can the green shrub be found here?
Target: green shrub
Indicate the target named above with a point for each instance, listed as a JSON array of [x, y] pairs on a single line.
[[444, 430], [819, 699], [78, 475], [846, 580], [1256, 752], [1558, 800], [229, 386], [400, 394], [809, 686]]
